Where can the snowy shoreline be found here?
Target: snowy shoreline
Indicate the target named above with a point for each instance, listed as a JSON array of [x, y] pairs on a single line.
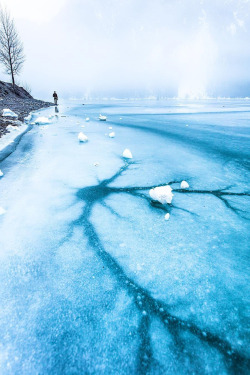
[[10, 140]]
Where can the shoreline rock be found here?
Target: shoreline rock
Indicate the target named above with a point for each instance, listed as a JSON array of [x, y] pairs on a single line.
[[21, 103]]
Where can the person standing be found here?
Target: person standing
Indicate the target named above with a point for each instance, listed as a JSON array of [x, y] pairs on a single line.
[[55, 96]]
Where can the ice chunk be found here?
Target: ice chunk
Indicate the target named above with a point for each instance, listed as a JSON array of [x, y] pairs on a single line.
[[127, 154], [112, 135], [162, 194], [2, 211], [167, 216], [184, 185], [1, 173], [8, 113], [96, 164], [42, 121], [110, 127], [87, 119], [82, 137], [102, 118]]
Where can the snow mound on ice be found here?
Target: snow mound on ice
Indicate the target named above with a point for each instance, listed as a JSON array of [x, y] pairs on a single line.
[[167, 216], [184, 185], [42, 121], [8, 113], [112, 135], [127, 154], [162, 194], [2, 211], [1, 173], [102, 118], [82, 137]]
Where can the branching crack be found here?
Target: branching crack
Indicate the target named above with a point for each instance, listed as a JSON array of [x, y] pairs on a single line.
[[148, 306]]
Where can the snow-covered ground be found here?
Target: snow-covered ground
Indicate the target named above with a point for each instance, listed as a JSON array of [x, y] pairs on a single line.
[[95, 276]]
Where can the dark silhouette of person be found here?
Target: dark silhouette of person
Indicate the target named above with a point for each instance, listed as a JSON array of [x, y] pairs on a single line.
[[55, 97]]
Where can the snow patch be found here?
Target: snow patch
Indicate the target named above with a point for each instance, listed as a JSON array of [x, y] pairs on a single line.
[[11, 128], [184, 185], [127, 154], [112, 135], [162, 194], [27, 118], [42, 121], [87, 119], [1, 173], [8, 113], [82, 137]]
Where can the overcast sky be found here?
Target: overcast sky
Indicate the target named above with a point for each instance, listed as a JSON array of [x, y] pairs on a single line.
[[134, 47]]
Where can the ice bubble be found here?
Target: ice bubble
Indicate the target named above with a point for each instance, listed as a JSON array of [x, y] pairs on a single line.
[[1, 173], [127, 154], [2, 211], [112, 135], [42, 121], [82, 137], [184, 185], [167, 216], [162, 194], [8, 113]]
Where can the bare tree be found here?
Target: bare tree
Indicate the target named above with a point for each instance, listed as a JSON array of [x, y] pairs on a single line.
[[11, 48]]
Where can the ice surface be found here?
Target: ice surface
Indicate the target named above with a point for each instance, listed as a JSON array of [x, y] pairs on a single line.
[[127, 154], [82, 137], [42, 121], [184, 185], [162, 194], [8, 113], [92, 278]]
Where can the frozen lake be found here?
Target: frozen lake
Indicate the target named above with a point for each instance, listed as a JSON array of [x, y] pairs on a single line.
[[93, 279]]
